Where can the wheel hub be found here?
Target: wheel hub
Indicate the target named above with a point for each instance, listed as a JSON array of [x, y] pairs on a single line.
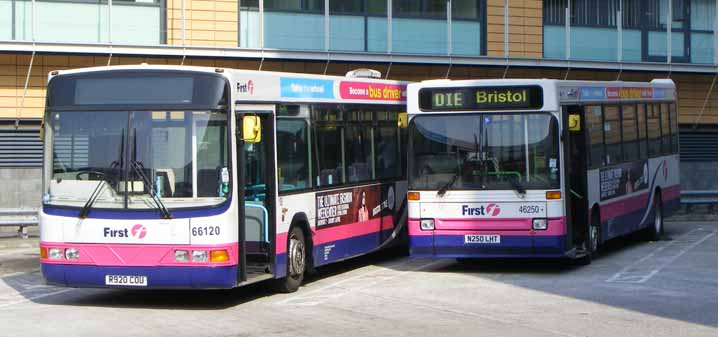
[[296, 257]]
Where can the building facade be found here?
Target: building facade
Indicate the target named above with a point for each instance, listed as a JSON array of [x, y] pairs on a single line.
[[407, 40]]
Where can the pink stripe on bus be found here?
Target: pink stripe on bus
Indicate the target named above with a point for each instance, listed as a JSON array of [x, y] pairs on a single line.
[[138, 255], [556, 227], [340, 232]]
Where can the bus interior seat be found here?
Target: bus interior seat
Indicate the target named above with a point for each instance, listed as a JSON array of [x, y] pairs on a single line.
[[358, 172]]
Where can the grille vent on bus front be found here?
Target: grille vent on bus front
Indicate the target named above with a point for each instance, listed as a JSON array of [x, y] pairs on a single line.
[[20, 147], [699, 145]]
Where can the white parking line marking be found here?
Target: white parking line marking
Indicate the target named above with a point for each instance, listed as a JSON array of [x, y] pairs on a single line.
[[644, 269], [358, 282]]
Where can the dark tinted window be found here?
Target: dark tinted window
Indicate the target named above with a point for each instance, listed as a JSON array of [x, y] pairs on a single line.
[[674, 128], [630, 134], [594, 125], [654, 129], [612, 134], [292, 154], [146, 88], [665, 129], [642, 136]]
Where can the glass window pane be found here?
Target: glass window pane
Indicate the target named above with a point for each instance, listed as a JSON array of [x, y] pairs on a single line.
[[376, 6], [464, 9], [594, 125], [327, 146], [249, 3], [674, 128], [283, 4], [346, 6], [654, 130], [643, 144], [435, 8], [357, 144], [630, 136], [407, 7], [292, 154], [386, 143], [702, 14], [315, 5], [665, 129], [612, 130]]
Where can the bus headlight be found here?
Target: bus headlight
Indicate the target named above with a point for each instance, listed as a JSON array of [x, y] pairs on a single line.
[[55, 253], [540, 224], [72, 254], [427, 224], [181, 255], [199, 256]]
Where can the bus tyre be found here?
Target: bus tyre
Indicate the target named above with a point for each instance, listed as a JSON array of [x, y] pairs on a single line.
[[593, 238], [655, 231], [296, 261]]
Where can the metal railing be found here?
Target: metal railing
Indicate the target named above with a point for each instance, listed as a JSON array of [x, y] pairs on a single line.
[[21, 218], [704, 197]]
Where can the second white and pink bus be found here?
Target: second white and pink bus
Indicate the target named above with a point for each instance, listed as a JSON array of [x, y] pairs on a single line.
[[538, 168]]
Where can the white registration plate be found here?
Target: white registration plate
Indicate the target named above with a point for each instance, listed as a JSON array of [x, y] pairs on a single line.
[[489, 239], [126, 280]]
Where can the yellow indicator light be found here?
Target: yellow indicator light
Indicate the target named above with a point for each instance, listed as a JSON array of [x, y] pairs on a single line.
[[553, 195], [218, 256], [43, 253], [414, 196]]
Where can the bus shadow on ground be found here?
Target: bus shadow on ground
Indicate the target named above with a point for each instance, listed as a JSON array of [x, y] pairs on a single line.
[[674, 289], [32, 287]]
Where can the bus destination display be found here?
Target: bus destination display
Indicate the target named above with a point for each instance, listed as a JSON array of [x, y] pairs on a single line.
[[481, 98]]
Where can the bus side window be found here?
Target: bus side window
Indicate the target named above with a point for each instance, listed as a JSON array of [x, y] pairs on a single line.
[[386, 146], [594, 125], [674, 128], [665, 130], [642, 140], [654, 130], [630, 136], [327, 144], [292, 154], [612, 130], [358, 151]]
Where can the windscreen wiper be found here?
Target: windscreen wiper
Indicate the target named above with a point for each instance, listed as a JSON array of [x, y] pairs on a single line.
[[137, 167], [450, 183], [93, 197], [516, 184]]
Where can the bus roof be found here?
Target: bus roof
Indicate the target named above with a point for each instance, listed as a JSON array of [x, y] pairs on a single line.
[[269, 86], [550, 92]]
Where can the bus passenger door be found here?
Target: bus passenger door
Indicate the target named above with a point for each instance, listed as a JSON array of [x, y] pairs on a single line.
[[255, 164], [575, 151]]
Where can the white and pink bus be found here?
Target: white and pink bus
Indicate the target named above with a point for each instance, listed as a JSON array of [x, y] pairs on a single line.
[[538, 168], [193, 177]]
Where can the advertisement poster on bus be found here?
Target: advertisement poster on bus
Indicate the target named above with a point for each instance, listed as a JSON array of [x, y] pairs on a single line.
[[352, 205], [623, 179]]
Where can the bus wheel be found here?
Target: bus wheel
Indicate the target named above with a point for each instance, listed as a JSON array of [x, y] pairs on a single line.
[[297, 261], [593, 237], [656, 230]]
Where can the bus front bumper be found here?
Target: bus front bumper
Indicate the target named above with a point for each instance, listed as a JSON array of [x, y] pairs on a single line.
[[444, 244], [76, 275]]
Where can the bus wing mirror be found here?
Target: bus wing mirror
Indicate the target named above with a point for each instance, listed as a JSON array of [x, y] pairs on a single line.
[[403, 121], [574, 123], [251, 129]]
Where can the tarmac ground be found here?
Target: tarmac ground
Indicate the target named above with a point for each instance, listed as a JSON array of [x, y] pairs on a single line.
[[633, 288]]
